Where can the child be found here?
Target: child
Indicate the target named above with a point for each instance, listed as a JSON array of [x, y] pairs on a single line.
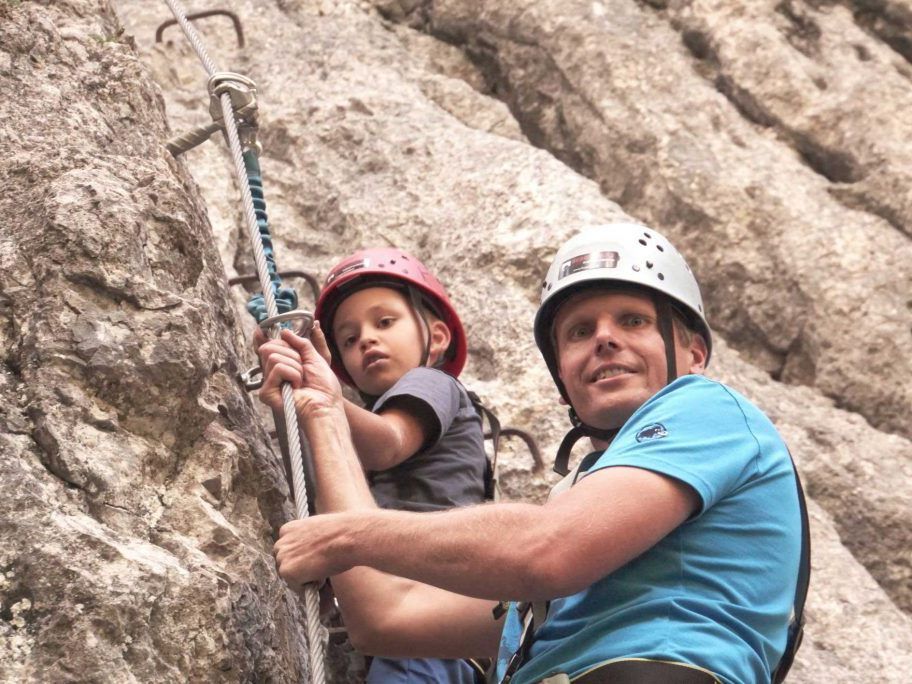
[[389, 330]]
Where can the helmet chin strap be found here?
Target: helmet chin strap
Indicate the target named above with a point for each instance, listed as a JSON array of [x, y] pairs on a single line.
[[415, 300], [665, 325], [423, 324]]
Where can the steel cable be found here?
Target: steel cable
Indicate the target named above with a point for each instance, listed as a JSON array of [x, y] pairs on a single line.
[[311, 595]]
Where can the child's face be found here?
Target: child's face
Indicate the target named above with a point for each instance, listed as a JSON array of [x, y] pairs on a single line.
[[379, 336]]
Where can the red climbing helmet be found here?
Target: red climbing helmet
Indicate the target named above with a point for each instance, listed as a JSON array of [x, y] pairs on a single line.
[[392, 267]]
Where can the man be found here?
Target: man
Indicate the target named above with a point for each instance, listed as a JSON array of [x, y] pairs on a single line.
[[673, 558]]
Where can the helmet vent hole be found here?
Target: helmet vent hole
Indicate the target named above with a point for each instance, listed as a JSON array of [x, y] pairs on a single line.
[[661, 276], [648, 236], [643, 242], [636, 267], [392, 261], [660, 248], [649, 264]]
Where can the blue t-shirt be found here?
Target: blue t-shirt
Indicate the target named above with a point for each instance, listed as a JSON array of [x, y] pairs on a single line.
[[717, 592]]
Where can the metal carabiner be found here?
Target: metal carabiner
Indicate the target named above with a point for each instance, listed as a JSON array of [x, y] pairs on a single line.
[[302, 330], [252, 378]]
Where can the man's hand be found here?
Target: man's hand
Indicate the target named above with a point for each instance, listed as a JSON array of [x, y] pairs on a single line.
[[305, 549], [295, 360]]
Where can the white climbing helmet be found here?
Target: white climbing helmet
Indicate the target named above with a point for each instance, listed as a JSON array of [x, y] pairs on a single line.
[[623, 254]]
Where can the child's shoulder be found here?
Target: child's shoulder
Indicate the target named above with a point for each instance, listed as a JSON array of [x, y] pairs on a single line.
[[427, 384]]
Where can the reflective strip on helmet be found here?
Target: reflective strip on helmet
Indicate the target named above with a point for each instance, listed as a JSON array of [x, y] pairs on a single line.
[[362, 263], [587, 262]]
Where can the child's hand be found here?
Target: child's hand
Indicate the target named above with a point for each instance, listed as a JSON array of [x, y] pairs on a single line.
[[280, 363], [318, 388], [319, 342]]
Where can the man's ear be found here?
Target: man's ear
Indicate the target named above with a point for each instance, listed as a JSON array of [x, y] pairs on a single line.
[[697, 353], [440, 339]]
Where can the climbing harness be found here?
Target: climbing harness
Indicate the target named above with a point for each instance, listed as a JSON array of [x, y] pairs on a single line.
[[233, 109]]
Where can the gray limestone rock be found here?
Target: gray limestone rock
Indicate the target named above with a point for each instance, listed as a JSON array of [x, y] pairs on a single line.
[[140, 494], [142, 488], [766, 138]]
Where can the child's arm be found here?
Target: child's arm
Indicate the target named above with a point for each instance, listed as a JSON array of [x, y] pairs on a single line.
[[382, 440], [388, 438]]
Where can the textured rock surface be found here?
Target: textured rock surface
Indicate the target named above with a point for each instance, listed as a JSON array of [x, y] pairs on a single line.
[[765, 137], [376, 133], [138, 496]]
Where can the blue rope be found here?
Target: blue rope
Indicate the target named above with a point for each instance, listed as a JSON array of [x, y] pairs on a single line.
[[286, 298]]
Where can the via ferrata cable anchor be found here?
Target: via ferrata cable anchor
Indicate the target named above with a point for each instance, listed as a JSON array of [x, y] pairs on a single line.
[[243, 94], [235, 20]]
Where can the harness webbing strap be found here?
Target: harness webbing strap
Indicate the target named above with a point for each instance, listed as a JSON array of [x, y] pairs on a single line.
[[490, 476], [796, 627]]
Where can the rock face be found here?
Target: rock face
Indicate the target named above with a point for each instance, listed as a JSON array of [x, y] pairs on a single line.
[[762, 136], [139, 496], [768, 140]]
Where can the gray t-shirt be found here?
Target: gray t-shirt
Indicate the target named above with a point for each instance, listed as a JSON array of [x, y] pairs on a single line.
[[449, 470]]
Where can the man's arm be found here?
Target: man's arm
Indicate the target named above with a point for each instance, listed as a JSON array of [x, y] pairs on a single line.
[[493, 552], [503, 551]]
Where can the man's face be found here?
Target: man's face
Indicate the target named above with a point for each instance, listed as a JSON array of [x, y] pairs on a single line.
[[379, 338], [611, 357]]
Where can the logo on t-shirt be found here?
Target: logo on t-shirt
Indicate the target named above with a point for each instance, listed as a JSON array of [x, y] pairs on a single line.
[[652, 431]]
